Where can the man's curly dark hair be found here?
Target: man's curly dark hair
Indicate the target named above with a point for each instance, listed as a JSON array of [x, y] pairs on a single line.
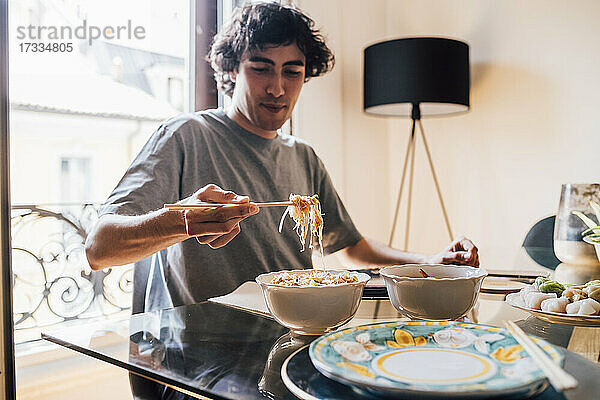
[[258, 25]]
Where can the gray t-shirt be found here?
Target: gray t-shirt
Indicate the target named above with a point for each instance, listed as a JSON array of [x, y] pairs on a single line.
[[193, 150]]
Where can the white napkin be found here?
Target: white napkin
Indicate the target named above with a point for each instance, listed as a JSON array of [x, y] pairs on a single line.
[[248, 296]]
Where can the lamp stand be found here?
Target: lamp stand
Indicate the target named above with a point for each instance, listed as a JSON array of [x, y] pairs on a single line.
[[410, 154]]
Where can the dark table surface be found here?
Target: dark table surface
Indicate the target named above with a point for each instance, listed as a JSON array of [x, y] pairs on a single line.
[[216, 351]]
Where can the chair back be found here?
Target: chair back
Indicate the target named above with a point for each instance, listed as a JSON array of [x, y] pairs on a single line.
[[539, 243]]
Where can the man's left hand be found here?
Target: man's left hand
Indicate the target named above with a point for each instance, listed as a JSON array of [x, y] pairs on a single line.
[[460, 252]]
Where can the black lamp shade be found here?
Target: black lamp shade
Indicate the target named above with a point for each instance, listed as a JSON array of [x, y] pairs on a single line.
[[430, 72]]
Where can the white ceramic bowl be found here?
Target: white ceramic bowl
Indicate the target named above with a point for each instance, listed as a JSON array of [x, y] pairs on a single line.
[[450, 296], [312, 310]]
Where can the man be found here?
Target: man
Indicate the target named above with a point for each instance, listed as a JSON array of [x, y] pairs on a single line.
[[262, 59]]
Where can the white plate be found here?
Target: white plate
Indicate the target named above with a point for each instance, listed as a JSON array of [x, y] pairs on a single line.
[[514, 300]]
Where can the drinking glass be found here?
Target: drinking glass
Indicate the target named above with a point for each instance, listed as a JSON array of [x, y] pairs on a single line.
[[569, 246]]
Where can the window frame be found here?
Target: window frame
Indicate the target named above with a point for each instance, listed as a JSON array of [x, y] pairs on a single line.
[[204, 22], [7, 369]]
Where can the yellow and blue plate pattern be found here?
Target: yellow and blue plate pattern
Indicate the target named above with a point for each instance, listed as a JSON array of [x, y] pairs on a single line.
[[435, 357]]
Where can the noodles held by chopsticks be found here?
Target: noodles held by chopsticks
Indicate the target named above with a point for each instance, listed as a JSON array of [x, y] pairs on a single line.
[[306, 213]]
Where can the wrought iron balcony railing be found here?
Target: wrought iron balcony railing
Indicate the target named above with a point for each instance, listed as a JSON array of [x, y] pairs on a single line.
[[52, 281]]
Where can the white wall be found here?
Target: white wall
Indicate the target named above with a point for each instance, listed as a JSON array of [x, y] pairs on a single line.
[[330, 115], [324, 130], [532, 126]]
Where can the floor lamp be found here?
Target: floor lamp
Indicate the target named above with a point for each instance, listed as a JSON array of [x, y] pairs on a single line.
[[416, 77]]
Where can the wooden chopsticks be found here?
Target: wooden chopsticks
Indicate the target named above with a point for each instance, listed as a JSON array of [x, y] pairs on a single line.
[[176, 207], [558, 377]]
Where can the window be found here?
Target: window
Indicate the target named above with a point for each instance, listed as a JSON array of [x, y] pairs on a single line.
[[75, 180], [175, 92], [89, 83], [81, 106]]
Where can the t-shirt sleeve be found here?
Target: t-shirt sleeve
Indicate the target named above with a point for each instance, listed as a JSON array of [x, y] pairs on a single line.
[[339, 231], [152, 179]]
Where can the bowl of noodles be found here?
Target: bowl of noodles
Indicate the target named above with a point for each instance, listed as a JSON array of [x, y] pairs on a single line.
[[312, 302]]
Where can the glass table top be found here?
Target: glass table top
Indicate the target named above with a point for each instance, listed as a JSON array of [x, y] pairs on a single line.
[[216, 351], [211, 350]]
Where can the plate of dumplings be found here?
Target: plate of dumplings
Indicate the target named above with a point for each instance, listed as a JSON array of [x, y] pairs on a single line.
[[560, 303]]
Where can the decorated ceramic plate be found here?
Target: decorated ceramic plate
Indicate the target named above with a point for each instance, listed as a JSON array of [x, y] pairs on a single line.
[[514, 299], [431, 358]]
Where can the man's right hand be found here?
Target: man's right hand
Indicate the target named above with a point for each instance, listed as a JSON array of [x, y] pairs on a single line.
[[122, 239], [219, 225]]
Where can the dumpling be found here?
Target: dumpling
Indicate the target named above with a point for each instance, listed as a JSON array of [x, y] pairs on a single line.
[[555, 305], [593, 291], [594, 282], [526, 290], [575, 293], [584, 307], [534, 299]]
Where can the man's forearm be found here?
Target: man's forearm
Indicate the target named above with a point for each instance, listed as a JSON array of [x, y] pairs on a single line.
[[368, 252], [119, 240]]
